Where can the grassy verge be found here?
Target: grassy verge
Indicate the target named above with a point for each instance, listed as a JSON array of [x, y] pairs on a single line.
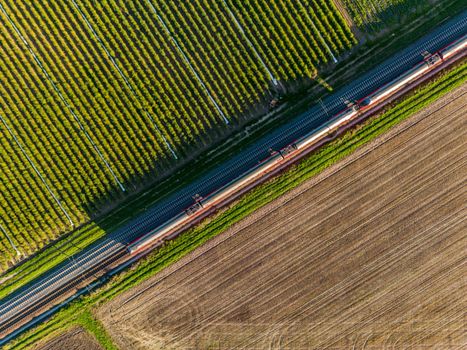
[[87, 320], [89, 323], [372, 52], [80, 312]]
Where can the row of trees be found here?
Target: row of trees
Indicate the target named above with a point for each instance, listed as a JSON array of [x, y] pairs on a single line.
[[373, 15], [110, 101], [285, 33]]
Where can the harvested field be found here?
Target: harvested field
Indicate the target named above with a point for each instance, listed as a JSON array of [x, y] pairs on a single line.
[[74, 339], [370, 254]]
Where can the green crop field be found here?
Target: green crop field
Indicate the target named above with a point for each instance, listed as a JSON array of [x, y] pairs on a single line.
[[98, 98], [374, 15]]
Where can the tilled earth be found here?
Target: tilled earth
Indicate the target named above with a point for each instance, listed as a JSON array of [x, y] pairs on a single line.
[[74, 339], [369, 254]]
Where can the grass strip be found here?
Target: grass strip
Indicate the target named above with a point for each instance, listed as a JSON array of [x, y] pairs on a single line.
[[89, 322], [80, 311]]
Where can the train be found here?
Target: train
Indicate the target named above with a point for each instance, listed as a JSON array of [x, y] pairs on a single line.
[[205, 205]]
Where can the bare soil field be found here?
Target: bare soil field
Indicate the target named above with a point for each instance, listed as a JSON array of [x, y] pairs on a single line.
[[74, 339], [370, 254]]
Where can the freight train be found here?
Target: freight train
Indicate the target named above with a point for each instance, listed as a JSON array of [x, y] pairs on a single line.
[[208, 204]]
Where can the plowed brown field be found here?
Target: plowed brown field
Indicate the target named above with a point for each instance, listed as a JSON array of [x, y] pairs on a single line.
[[74, 339], [370, 254]]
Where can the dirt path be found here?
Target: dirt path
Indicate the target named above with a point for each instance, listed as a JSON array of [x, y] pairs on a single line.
[[371, 253]]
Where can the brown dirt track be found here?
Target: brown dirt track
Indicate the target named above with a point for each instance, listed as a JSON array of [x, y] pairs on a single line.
[[370, 254], [74, 339]]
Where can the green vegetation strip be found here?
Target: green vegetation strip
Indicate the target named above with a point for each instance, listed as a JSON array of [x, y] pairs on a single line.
[[80, 312], [87, 320]]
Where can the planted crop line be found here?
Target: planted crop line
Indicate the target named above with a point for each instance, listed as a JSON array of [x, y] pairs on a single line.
[[188, 63], [133, 91], [317, 31], [37, 172], [39, 63], [18, 253], [274, 80]]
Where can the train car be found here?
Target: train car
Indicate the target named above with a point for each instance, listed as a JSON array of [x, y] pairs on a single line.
[[414, 73], [395, 85], [155, 236], [241, 181], [319, 133], [219, 196], [454, 48]]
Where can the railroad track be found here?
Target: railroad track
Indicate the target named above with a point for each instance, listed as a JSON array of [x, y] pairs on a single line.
[[59, 291]]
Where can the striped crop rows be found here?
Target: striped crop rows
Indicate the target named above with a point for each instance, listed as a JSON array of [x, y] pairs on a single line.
[[374, 15], [99, 97]]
